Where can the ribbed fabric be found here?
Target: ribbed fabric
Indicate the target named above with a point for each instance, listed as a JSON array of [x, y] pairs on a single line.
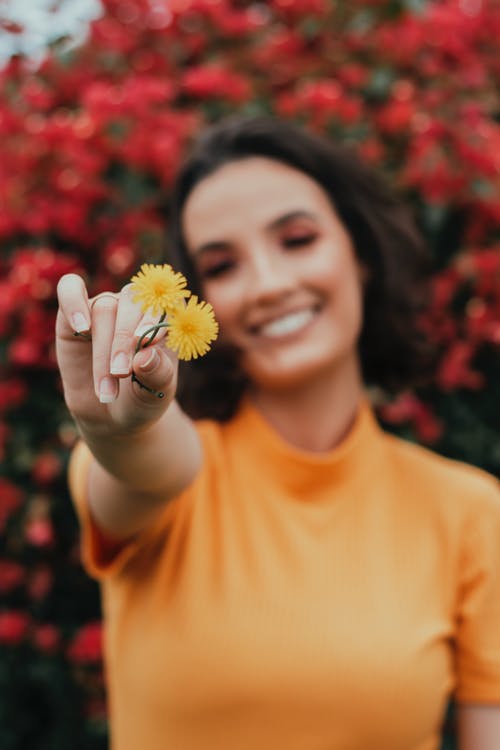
[[302, 601]]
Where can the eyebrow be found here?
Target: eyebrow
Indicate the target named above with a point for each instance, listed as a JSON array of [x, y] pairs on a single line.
[[215, 245]]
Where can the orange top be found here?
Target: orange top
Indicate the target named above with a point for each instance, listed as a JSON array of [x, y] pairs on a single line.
[[302, 601]]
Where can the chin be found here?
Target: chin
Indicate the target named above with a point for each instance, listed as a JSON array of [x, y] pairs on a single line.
[[287, 377]]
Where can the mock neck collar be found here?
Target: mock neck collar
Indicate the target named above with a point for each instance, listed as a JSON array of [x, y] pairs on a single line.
[[304, 471]]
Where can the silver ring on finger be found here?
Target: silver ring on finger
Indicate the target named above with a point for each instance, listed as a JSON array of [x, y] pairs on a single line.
[[88, 336], [82, 336], [103, 295]]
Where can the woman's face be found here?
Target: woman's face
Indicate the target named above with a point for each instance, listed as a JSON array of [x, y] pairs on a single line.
[[279, 269]]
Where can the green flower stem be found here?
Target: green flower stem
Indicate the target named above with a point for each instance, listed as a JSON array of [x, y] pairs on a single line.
[[153, 331]]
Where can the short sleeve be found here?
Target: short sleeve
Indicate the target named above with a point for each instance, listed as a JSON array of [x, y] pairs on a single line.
[[101, 555], [478, 612]]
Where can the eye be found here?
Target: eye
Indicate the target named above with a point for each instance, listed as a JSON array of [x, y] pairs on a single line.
[[299, 240], [217, 269]]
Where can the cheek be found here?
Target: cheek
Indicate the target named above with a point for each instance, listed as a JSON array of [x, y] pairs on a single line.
[[225, 304], [332, 265]]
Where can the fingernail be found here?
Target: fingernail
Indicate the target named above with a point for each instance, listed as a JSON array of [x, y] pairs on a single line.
[[120, 364], [79, 322], [150, 363], [108, 390]]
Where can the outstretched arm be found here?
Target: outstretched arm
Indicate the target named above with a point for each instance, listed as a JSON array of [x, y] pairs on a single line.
[[145, 449]]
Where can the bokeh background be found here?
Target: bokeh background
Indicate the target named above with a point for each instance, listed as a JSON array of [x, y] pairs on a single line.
[[92, 130]]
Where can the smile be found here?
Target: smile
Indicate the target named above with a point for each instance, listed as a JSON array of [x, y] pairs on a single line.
[[290, 323]]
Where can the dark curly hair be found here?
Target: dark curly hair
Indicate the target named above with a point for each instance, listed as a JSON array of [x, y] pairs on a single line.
[[393, 351]]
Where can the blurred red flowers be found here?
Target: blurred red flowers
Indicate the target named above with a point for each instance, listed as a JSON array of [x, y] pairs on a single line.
[[10, 500], [14, 626], [86, 646]]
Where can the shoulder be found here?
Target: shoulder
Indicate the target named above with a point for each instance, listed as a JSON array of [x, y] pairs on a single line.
[[438, 476]]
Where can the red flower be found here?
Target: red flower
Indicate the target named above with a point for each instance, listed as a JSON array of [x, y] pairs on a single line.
[[39, 532], [86, 646], [445, 287], [353, 75], [400, 42], [46, 468], [277, 47], [9, 301], [113, 35], [240, 23], [5, 432], [321, 96], [395, 117], [12, 393], [13, 627], [428, 428], [40, 582], [37, 94], [214, 81], [401, 409], [120, 258], [35, 272], [298, 8], [408, 408], [46, 638], [455, 369], [10, 500], [372, 150], [11, 576], [24, 353], [487, 262]]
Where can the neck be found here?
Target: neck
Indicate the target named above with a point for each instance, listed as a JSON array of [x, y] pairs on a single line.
[[315, 416]]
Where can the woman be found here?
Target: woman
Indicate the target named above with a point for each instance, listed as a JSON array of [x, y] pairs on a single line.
[[279, 573]]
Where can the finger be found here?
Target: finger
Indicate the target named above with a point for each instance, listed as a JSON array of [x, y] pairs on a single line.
[[74, 354], [103, 311], [128, 316], [155, 368], [74, 305]]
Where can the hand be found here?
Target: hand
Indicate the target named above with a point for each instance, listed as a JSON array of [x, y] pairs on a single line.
[[96, 369]]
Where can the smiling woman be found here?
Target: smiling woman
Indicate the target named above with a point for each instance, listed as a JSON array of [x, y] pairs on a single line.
[[277, 571], [313, 196], [279, 268]]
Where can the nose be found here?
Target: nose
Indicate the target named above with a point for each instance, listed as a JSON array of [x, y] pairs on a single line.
[[269, 278]]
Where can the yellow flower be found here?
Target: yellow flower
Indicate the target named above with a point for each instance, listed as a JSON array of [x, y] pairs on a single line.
[[191, 329], [159, 288]]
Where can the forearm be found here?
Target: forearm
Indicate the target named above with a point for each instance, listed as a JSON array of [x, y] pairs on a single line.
[[150, 460], [135, 474]]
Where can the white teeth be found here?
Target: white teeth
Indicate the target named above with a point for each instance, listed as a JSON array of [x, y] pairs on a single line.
[[287, 324]]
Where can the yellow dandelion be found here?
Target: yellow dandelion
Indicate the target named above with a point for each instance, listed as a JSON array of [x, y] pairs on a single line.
[[159, 288], [192, 328]]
